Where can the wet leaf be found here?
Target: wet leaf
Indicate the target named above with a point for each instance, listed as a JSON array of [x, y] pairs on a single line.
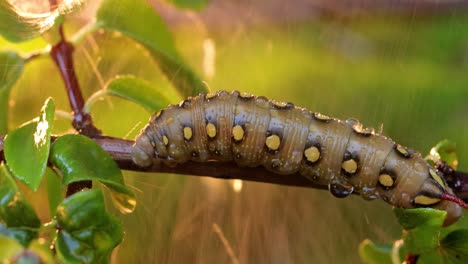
[[18, 219], [374, 253], [154, 35], [422, 228], [11, 68], [138, 91], [87, 232], [27, 147], [79, 158], [19, 25]]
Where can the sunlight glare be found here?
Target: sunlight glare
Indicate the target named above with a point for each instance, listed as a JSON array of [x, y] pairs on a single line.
[[41, 131], [237, 185], [209, 56]]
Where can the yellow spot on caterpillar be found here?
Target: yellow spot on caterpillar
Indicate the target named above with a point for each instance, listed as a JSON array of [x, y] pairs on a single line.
[[321, 117], [349, 166], [237, 133], [425, 200], [273, 142], [312, 154], [188, 133], [165, 140], [437, 178], [211, 130], [386, 180], [402, 150]]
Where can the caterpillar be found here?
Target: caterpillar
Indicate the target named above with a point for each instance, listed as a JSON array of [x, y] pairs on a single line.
[[253, 131]]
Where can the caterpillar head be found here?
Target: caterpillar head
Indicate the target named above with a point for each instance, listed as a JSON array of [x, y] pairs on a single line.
[[410, 182], [435, 194]]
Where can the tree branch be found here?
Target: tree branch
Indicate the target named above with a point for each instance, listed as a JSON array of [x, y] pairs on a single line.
[[121, 151]]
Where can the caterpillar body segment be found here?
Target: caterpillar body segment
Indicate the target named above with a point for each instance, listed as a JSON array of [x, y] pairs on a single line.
[[254, 131]]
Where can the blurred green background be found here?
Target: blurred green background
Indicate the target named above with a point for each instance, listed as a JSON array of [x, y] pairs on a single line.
[[404, 73]]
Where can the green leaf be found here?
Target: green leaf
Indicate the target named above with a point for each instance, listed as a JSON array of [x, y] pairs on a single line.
[[154, 35], [445, 151], [138, 91], [11, 67], [13, 252], [42, 250], [19, 25], [192, 4], [9, 248], [27, 148], [17, 217], [79, 158], [372, 253], [422, 228], [454, 246], [55, 190], [87, 232]]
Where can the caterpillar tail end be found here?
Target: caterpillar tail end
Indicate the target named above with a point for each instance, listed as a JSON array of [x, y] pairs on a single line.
[[142, 152]]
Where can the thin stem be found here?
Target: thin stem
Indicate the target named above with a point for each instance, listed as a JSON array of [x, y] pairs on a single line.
[[62, 54], [36, 54], [93, 99]]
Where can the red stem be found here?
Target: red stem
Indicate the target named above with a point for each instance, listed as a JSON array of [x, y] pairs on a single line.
[[411, 259], [455, 199]]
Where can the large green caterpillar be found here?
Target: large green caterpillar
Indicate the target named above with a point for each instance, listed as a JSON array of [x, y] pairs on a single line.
[[254, 131]]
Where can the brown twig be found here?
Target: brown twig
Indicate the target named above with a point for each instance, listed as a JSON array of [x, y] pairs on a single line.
[[121, 151]]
